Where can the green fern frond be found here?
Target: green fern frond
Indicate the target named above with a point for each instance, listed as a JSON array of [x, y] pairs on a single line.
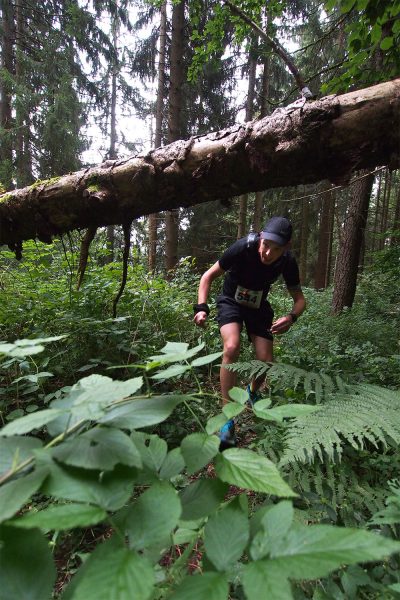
[[367, 413], [339, 488], [287, 376]]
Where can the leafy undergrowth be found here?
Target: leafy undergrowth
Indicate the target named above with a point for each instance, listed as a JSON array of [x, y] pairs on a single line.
[[96, 503], [112, 485]]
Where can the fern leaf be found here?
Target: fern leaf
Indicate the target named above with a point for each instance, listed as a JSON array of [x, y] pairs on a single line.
[[366, 413]]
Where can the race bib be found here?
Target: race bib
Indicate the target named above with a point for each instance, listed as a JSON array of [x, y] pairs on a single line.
[[249, 298]]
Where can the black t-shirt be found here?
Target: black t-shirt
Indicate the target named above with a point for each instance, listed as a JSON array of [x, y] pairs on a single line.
[[243, 266]]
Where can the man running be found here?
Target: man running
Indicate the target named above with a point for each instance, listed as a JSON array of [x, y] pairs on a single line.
[[250, 266]]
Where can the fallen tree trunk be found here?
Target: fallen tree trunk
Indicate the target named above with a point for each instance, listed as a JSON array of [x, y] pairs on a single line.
[[302, 143]]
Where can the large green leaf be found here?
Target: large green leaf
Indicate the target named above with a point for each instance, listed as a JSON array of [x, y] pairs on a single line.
[[153, 516], [286, 411], [16, 449], [198, 450], [205, 360], [99, 448], [311, 552], [91, 395], [27, 571], [226, 536], [201, 498], [27, 423], [153, 450], [59, 517], [22, 348], [209, 586], [232, 409], [110, 490], [273, 526], [261, 579], [113, 572], [215, 423], [173, 371], [238, 395], [15, 494], [143, 412], [249, 470], [174, 352], [172, 465]]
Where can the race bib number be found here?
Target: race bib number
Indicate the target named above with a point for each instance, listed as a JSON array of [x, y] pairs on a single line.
[[249, 298]]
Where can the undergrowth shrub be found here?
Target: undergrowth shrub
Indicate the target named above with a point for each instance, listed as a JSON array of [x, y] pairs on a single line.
[[167, 526]]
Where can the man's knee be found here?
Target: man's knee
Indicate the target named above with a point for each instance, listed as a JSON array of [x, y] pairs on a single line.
[[231, 351]]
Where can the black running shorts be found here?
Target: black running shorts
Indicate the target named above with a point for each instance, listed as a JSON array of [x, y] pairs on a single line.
[[257, 321]]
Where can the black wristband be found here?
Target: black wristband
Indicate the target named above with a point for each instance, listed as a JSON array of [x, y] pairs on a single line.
[[201, 308], [294, 317]]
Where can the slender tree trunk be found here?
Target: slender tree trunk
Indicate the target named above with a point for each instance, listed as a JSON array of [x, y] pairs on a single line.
[[258, 202], [375, 241], [23, 159], [7, 32], [174, 121], [159, 121], [348, 257], [395, 237], [112, 151], [251, 88], [305, 213], [321, 277], [385, 208], [381, 228]]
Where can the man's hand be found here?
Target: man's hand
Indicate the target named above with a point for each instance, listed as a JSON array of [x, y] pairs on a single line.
[[200, 318], [281, 325]]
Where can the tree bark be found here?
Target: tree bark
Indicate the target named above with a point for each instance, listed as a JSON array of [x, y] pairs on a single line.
[[174, 122], [347, 263], [395, 236], [305, 212], [321, 278], [152, 252], [7, 63], [251, 88], [258, 202], [325, 139]]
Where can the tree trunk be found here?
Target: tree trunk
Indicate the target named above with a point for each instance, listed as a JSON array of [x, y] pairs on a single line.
[[375, 241], [321, 278], [395, 237], [347, 263], [7, 31], [305, 211], [385, 208], [259, 199], [159, 122], [174, 121], [251, 88], [326, 139], [112, 151]]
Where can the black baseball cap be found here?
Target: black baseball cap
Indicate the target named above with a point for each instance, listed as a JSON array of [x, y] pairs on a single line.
[[277, 229]]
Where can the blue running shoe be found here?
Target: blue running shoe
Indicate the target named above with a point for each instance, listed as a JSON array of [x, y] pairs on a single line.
[[227, 436], [253, 396]]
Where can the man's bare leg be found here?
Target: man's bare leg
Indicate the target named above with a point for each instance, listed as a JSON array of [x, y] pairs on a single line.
[[264, 351], [230, 334]]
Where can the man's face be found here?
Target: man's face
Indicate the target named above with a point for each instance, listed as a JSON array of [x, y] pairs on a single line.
[[270, 251]]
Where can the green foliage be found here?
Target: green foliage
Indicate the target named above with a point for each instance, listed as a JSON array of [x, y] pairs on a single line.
[[367, 414], [123, 451], [92, 473], [373, 34]]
